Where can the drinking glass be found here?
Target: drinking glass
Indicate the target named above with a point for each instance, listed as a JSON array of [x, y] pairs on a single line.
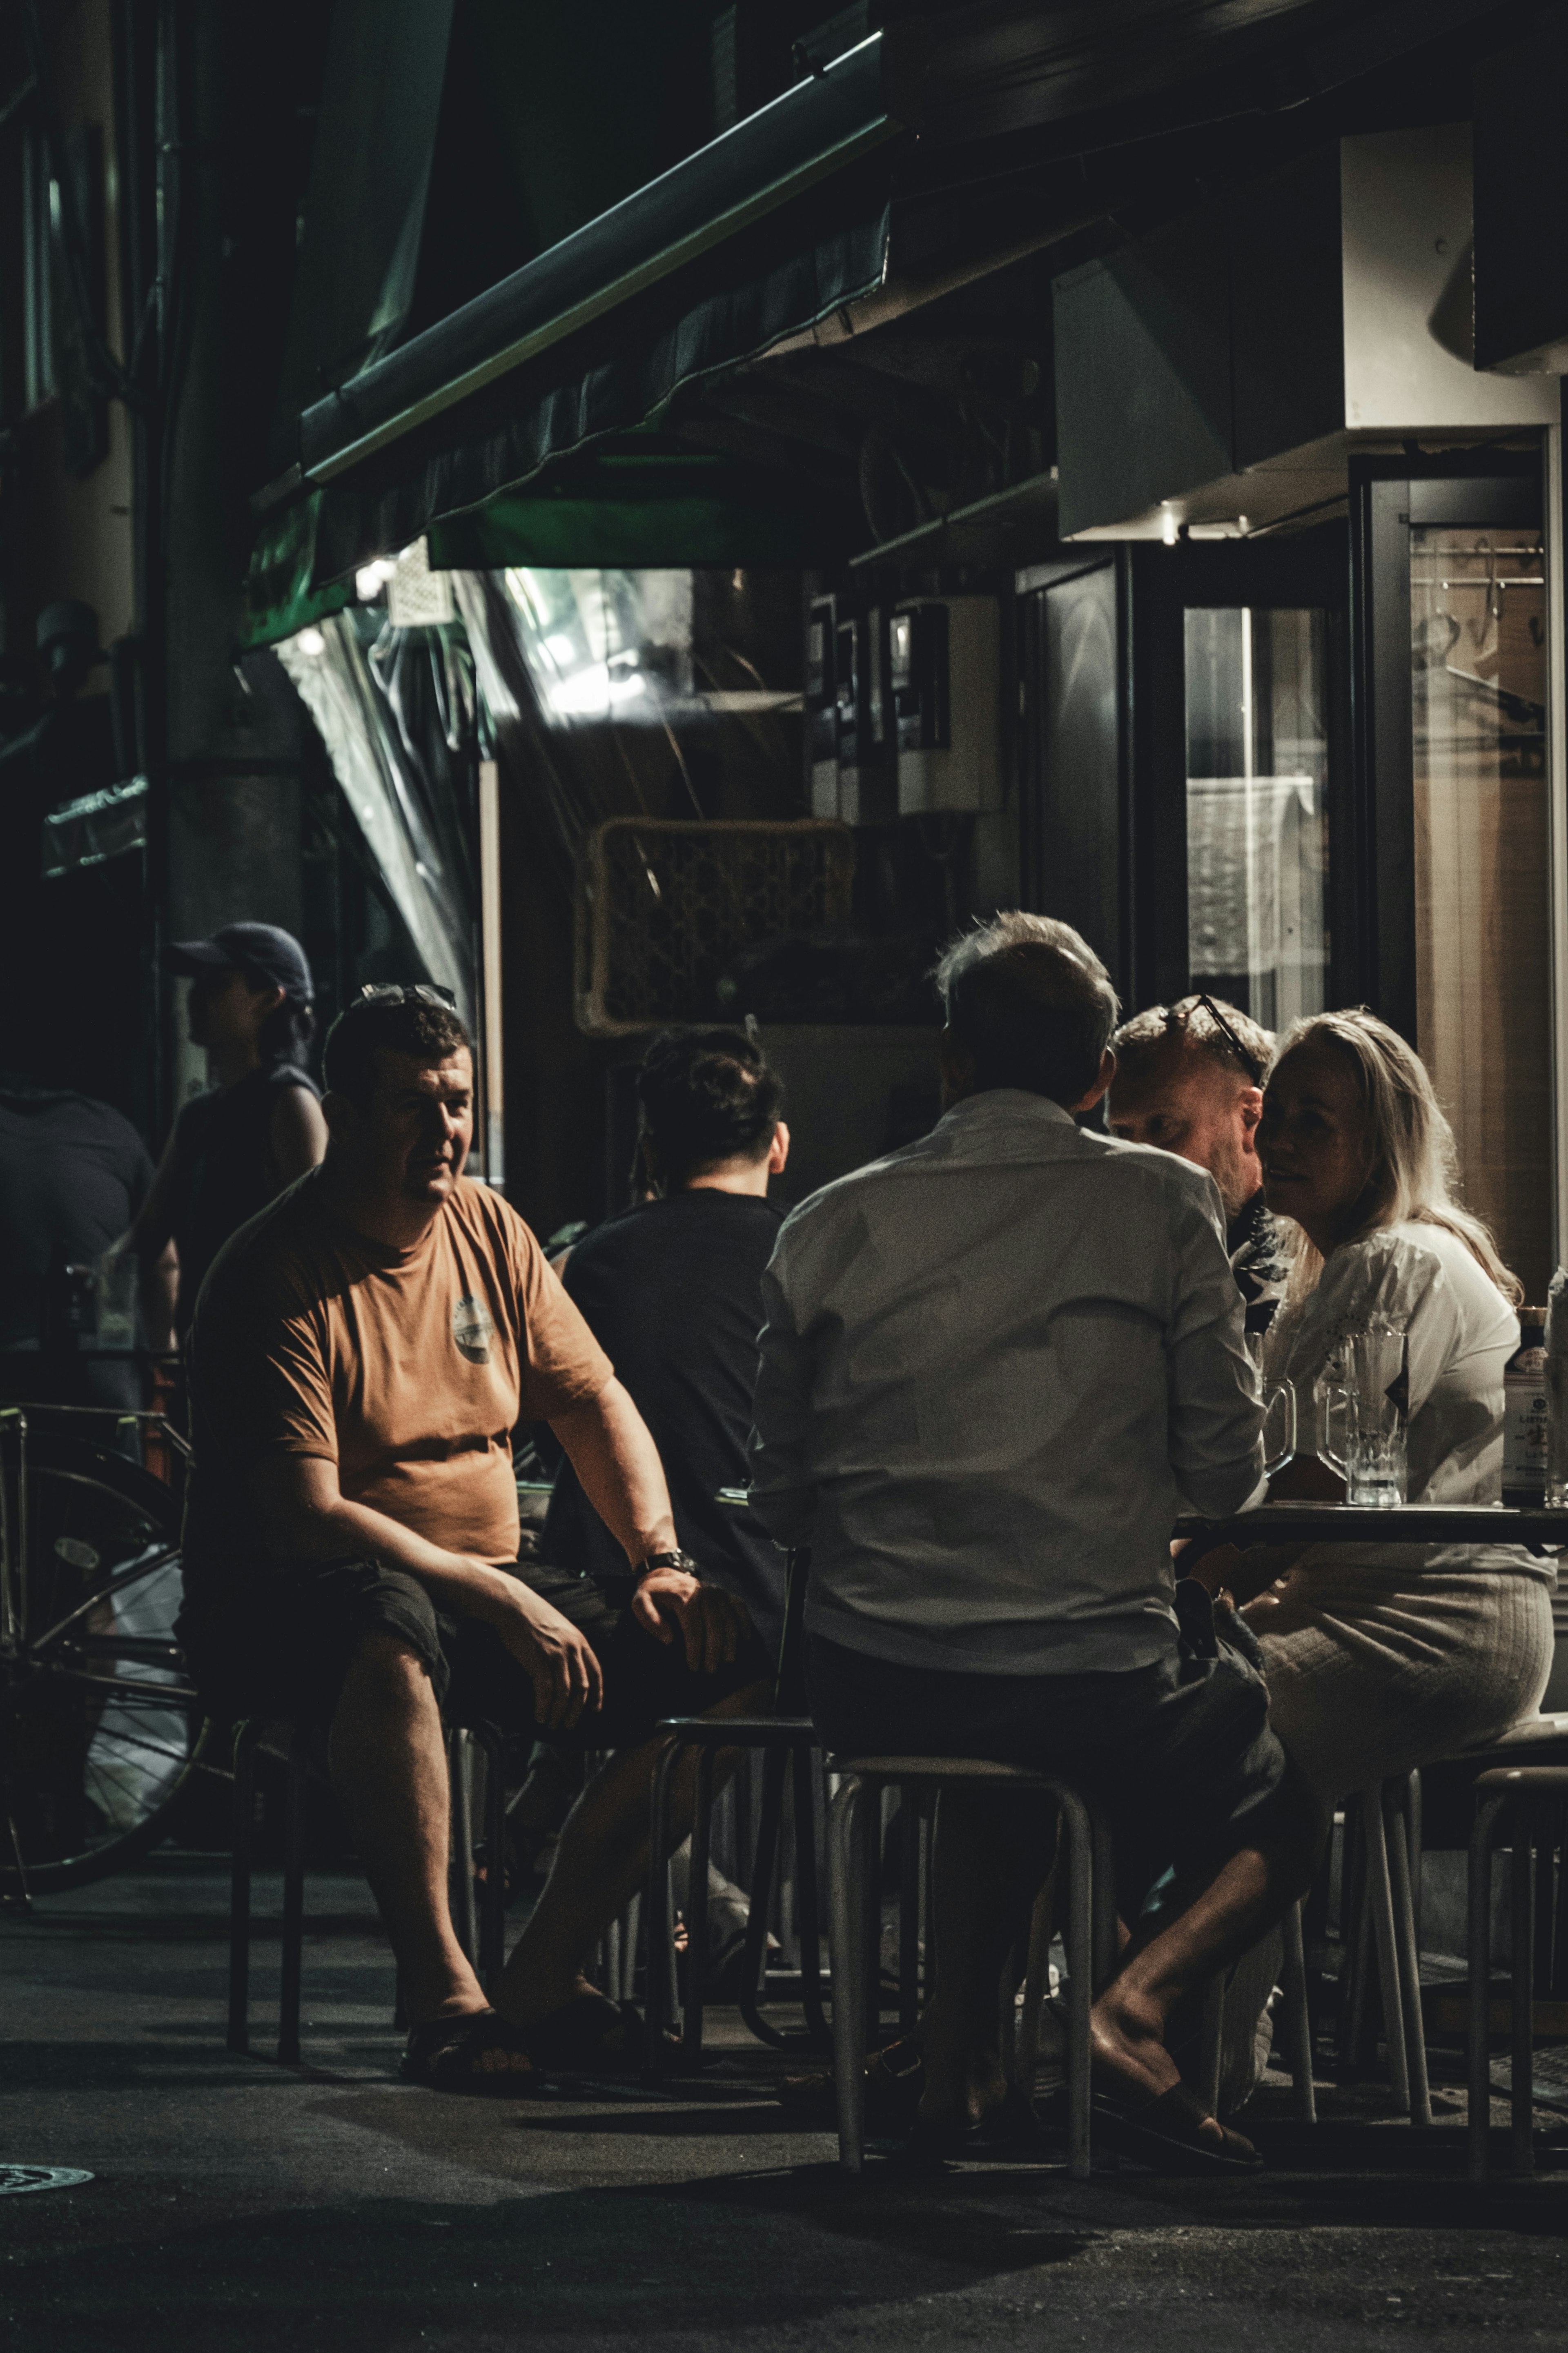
[[1278, 1411], [1363, 1407]]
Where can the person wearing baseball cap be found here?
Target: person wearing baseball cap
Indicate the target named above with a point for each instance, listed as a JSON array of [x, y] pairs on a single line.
[[258, 1127]]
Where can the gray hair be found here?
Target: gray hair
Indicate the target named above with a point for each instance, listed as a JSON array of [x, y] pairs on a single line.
[[1032, 1002], [1139, 1042]]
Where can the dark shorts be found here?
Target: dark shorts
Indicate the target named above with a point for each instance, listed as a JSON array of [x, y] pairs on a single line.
[[282, 1648], [1179, 1754]]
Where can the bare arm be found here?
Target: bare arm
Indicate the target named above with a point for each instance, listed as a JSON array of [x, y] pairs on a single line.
[[297, 1132], [304, 1516], [608, 1446], [160, 1287], [152, 1229]]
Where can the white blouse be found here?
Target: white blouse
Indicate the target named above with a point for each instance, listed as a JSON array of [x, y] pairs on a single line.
[[1461, 1333]]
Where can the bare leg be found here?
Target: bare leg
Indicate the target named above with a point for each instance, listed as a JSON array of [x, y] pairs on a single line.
[[389, 1768], [1129, 2020], [601, 1862], [991, 1855]]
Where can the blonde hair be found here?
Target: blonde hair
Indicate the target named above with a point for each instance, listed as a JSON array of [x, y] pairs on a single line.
[[1414, 1167]]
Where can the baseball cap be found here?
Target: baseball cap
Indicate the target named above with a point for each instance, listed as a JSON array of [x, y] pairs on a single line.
[[261, 950]]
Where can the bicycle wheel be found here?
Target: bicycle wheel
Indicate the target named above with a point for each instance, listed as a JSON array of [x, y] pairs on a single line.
[[99, 1731]]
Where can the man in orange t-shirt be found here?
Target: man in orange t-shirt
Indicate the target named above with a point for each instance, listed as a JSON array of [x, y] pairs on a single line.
[[362, 1352]]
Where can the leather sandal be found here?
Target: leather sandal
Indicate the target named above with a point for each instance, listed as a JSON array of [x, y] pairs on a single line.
[[478, 2052], [1168, 2134], [590, 2035]]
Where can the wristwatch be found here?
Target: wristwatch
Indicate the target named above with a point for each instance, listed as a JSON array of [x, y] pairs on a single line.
[[681, 1560]]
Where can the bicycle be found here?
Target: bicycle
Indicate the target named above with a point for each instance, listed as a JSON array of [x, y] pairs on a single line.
[[101, 1735]]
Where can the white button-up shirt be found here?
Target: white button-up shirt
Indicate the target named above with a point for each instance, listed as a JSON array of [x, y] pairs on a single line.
[[994, 1363]]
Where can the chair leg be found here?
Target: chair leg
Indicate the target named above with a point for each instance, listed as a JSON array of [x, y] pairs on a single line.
[[492, 1909], [808, 1911], [460, 1850], [1398, 1827], [697, 1913], [659, 1972], [1106, 1938], [1380, 1901], [1082, 1906], [293, 1901], [851, 1816], [1479, 1907], [908, 1911], [764, 1862], [243, 1834], [1521, 1993], [1299, 2018], [1212, 2044], [1036, 1985]]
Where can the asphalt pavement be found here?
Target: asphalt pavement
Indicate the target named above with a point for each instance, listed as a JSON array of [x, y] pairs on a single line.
[[235, 2204]]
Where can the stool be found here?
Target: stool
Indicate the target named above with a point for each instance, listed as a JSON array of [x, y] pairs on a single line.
[[1091, 1945], [780, 1739], [1387, 1815], [787, 1735], [1091, 1922], [1519, 1791], [482, 1938]]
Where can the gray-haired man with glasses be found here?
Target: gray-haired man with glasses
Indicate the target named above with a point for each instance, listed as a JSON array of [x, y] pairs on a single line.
[[1189, 1080]]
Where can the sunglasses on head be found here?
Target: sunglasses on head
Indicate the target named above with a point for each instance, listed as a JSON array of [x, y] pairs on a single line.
[[1243, 1054], [418, 992]]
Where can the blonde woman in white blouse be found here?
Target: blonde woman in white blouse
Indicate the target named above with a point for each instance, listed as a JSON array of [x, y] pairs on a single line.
[[1384, 1657]]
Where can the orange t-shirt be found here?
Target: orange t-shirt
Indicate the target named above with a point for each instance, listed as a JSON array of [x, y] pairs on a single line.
[[410, 1369]]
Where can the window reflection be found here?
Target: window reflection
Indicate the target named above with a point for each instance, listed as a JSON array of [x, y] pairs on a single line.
[[1257, 839], [1478, 621]]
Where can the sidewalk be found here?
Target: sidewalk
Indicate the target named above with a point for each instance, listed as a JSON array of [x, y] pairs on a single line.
[[238, 2206]]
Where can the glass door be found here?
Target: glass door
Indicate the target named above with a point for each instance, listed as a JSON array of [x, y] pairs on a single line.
[[1452, 850], [1483, 1025], [1256, 808]]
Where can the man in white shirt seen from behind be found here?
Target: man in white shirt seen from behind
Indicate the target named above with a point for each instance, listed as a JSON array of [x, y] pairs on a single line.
[[995, 1365]]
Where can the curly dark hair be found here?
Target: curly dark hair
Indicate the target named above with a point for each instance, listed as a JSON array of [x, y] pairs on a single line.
[[705, 1096], [430, 1032]]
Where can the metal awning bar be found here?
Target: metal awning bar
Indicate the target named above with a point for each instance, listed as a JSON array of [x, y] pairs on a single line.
[[813, 130]]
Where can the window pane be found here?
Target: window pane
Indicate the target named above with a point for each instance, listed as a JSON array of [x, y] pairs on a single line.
[[1478, 615], [1257, 824]]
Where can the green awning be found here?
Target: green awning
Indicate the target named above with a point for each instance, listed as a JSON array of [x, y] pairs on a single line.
[[630, 510], [279, 597]]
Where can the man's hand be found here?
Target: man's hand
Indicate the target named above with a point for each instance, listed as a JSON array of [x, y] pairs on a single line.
[[712, 1623], [559, 1663]]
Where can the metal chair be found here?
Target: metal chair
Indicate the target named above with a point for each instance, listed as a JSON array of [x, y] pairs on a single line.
[[1384, 1823], [1516, 1797], [481, 1929], [1090, 1941], [1090, 1936], [786, 1739]]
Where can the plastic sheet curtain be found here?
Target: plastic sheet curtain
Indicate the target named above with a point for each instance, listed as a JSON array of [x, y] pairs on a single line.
[[586, 681], [396, 715]]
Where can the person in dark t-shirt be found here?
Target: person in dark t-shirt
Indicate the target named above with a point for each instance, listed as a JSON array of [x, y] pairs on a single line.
[[672, 1290], [259, 1125]]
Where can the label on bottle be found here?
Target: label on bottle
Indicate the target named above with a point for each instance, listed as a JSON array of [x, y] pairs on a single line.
[[1525, 1425]]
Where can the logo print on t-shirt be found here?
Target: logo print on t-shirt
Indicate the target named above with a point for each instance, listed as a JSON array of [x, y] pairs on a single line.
[[471, 1329]]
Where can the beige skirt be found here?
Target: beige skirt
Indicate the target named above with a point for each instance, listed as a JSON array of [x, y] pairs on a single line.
[[1376, 1669]]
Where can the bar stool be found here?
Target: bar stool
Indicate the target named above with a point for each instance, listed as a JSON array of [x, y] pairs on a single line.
[[1384, 1819], [481, 1929], [1090, 1936], [1516, 1797], [787, 1742]]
